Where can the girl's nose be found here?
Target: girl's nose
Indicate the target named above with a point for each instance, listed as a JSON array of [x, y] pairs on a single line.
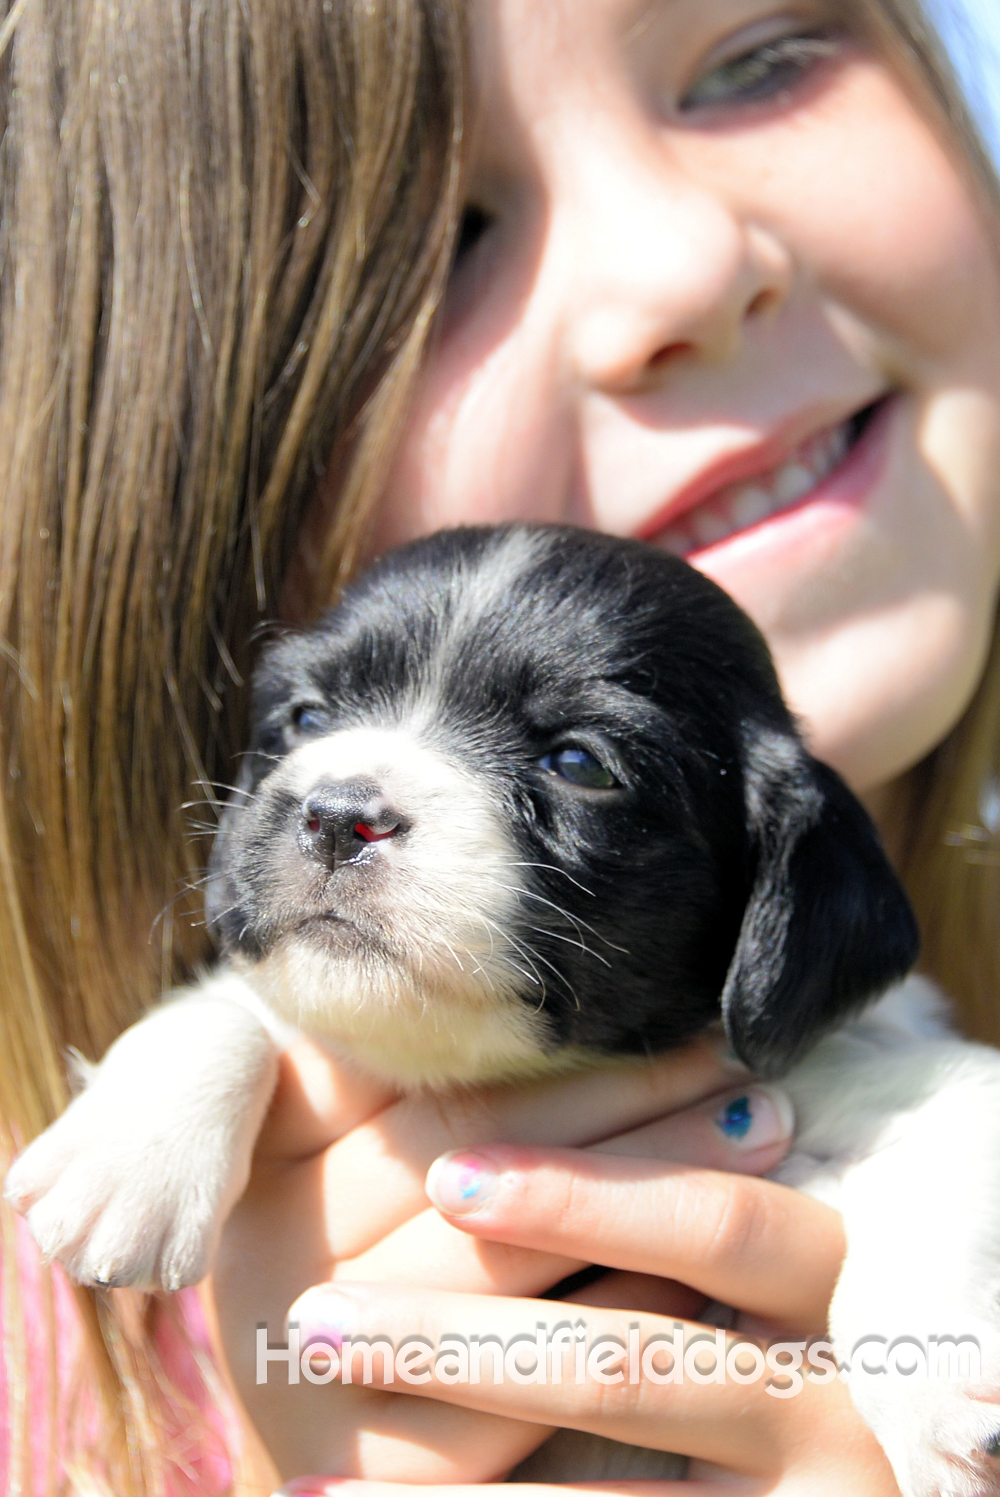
[[661, 270]]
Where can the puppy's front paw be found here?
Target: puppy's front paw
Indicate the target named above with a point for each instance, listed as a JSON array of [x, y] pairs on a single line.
[[116, 1196], [940, 1429]]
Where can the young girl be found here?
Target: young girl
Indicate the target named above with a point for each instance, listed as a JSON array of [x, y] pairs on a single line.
[[727, 279]]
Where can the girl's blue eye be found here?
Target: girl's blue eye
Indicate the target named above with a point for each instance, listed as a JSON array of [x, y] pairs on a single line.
[[579, 767], [310, 721], [760, 74]]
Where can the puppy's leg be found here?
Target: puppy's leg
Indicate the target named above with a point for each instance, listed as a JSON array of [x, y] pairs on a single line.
[[133, 1183], [902, 1132]]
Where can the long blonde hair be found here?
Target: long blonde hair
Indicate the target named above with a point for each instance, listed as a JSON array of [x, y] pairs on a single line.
[[224, 232], [947, 809]]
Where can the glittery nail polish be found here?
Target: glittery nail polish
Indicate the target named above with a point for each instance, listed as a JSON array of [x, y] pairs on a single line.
[[461, 1183]]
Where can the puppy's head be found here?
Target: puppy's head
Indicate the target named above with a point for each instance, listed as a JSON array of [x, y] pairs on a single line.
[[529, 790]]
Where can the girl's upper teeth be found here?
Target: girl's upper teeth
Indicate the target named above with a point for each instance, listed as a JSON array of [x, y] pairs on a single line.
[[791, 482], [751, 504], [741, 505]]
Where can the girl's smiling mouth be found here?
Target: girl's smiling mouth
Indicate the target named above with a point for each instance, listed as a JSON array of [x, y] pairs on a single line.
[[826, 465]]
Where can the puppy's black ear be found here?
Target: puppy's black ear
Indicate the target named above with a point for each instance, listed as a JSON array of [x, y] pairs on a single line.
[[827, 925]]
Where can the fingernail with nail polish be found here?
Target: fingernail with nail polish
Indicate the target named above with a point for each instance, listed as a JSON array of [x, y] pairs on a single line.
[[461, 1183], [324, 1317], [760, 1116]]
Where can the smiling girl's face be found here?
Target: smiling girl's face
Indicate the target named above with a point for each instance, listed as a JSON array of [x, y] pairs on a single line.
[[722, 286]]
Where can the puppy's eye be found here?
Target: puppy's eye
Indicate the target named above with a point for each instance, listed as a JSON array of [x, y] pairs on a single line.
[[310, 720], [579, 767]]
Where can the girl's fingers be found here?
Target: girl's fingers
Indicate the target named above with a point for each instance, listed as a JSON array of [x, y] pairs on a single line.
[[397, 1145], [321, 1097], [740, 1131], [761, 1247], [365, 1433], [337, 1211], [633, 1291], [575, 1374], [318, 1099], [745, 1130]]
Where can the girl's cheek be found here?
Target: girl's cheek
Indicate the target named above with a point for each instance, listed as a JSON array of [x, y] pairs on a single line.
[[907, 251], [488, 441]]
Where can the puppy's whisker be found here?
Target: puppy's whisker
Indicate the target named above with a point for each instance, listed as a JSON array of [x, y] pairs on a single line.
[[217, 916], [478, 970], [531, 955], [451, 950], [481, 970], [466, 914], [579, 924], [555, 936], [571, 919], [221, 785], [554, 868], [209, 800], [166, 910], [527, 953], [187, 886], [528, 977]]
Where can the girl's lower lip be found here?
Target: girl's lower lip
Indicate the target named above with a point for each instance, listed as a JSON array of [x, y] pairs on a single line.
[[845, 489]]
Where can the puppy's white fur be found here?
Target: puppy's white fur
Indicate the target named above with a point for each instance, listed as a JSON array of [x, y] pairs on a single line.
[[131, 1185], [439, 909]]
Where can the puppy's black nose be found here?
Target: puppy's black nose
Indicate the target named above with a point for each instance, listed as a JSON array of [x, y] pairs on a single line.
[[339, 819]]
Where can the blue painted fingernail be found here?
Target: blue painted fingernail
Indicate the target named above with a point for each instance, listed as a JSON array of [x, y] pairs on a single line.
[[760, 1116], [736, 1118], [460, 1183]]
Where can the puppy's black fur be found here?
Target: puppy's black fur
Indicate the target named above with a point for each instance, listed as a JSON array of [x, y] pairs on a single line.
[[726, 870]]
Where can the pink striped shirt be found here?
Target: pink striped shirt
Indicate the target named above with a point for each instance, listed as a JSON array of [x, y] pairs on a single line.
[[198, 1438]]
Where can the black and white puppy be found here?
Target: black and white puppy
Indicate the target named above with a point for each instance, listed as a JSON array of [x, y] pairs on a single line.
[[530, 797]]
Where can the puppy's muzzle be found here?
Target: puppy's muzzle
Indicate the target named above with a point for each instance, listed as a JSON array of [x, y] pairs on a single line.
[[341, 819]]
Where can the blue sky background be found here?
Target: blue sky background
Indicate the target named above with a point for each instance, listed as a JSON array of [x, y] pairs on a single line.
[[971, 32]]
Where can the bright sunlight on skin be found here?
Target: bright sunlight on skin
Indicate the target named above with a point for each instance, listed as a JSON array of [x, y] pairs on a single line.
[[721, 287]]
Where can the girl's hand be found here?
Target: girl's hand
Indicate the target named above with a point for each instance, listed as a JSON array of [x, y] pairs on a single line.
[[337, 1194], [767, 1249]]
